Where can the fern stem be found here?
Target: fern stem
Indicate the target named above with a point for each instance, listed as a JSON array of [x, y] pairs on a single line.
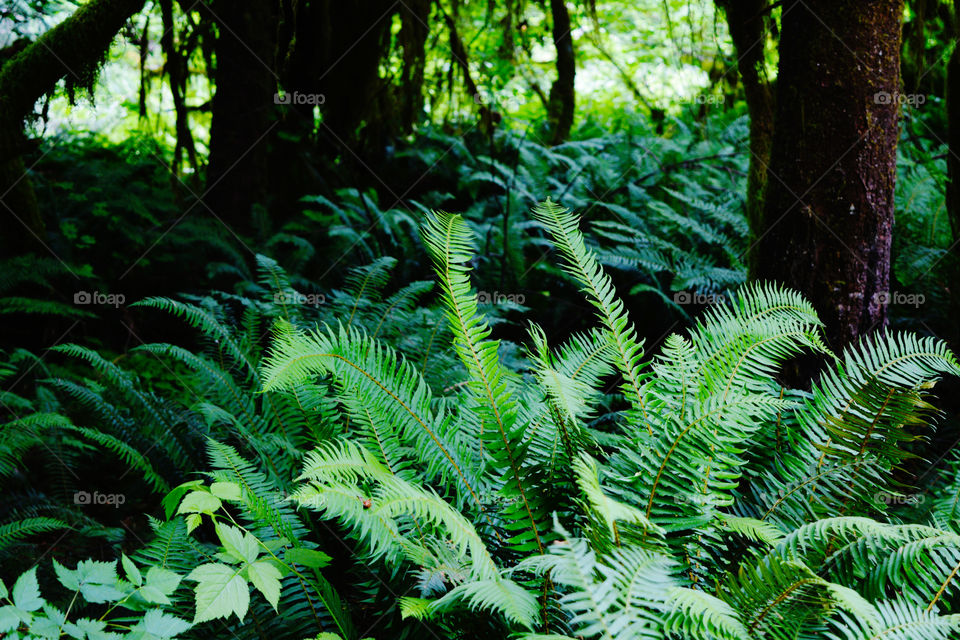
[[943, 587]]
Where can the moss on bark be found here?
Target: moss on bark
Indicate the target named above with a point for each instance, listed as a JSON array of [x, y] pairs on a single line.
[[749, 25], [72, 49], [828, 215], [561, 103]]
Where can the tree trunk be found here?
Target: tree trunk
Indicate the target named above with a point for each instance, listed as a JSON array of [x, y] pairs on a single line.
[[242, 111], [828, 216], [953, 165], [72, 49], [415, 16], [175, 67], [458, 52], [748, 22], [357, 112], [562, 95]]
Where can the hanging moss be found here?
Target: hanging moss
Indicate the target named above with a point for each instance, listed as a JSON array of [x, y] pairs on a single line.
[[75, 49]]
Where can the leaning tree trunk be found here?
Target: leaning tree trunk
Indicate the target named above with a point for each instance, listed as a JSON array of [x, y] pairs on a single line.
[[748, 22], [828, 216], [74, 48], [560, 105], [242, 111]]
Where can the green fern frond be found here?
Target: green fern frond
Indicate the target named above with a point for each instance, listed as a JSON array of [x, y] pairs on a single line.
[[13, 532], [449, 241], [583, 267], [384, 393], [336, 475]]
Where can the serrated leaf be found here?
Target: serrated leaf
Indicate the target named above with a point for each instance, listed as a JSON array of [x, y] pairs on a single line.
[[172, 499], [199, 502], [26, 592], [220, 591], [226, 490], [163, 580], [266, 578], [96, 581], [88, 629], [9, 618], [44, 627], [161, 625], [131, 570], [193, 521], [242, 546]]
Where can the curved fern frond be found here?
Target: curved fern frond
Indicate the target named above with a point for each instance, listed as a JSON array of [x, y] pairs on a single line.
[[381, 390], [336, 476], [584, 268], [449, 241], [13, 532]]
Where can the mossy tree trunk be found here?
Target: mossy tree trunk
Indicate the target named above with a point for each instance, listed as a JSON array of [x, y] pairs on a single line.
[[561, 103], [243, 110], [749, 25], [828, 215], [72, 50]]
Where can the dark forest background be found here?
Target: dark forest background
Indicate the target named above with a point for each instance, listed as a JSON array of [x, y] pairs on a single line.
[[188, 188]]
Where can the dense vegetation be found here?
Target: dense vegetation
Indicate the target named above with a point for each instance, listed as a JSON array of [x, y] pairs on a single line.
[[447, 353]]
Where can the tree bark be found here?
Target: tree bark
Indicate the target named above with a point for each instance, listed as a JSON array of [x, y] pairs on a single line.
[[561, 103], [953, 164], [242, 111], [828, 215], [458, 52], [415, 16], [748, 22], [73, 48], [175, 67], [357, 111]]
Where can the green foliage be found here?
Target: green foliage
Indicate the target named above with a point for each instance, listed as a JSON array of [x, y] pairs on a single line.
[[144, 596], [713, 474]]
